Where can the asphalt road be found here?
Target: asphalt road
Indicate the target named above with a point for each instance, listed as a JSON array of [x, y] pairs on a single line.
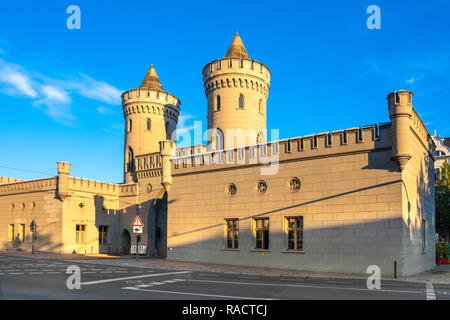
[[34, 278]]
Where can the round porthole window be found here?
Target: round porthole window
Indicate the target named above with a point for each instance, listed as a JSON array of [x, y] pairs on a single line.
[[231, 189], [294, 184], [149, 188], [261, 186]]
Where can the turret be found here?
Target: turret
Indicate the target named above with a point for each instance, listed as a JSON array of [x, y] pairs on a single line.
[[400, 110], [151, 115], [63, 180], [236, 89], [167, 149]]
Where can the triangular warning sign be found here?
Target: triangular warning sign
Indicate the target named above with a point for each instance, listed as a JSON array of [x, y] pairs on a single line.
[[137, 222]]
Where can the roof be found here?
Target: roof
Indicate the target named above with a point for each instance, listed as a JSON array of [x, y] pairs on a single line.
[[446, 142], [151, 80], [237, 49]]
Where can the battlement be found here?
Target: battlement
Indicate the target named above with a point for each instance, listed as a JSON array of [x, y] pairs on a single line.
[[6, 180], [149, 96], [17, 187], [238, 72], [326, 144]]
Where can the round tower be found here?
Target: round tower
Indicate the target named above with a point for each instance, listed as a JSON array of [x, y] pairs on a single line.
[[151, 116], [237, 89]]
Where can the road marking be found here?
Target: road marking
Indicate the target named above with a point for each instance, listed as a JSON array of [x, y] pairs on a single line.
[[120, 271], [195, 294], [305, 286], [17, 273], [135, 277], [36, 273], [431, 295], [54, 272], [339, 282]]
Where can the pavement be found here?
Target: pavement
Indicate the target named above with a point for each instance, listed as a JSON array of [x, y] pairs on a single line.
[[44, 276]]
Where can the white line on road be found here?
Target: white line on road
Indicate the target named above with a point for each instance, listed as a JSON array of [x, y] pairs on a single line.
[[135, 277], [195, 294], [431, 295], [304, 286]]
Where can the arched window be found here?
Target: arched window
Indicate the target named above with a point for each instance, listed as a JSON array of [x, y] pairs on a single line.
[[218, 136], [130, 159], [218, 103], [149, 124], [241, 101], [130, 125]]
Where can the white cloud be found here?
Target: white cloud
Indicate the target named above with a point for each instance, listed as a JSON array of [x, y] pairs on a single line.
[[17, 82], [96, 90], [53, 96], [182, 127], [411, 81]]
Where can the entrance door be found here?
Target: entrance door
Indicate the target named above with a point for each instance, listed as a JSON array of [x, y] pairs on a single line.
[[125, 242]]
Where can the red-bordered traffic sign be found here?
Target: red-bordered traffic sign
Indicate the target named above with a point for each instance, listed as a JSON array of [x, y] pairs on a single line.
[[137, 222]]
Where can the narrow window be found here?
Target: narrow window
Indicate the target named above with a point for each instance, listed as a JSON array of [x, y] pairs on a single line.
[[218, 103], [261, 106], [22, 232], [11, 232], [103, 234], [294, 232], [149, 124], [232, 233], [262, 233], [80, 233], [130, 125], [241, 101], [287, 146]]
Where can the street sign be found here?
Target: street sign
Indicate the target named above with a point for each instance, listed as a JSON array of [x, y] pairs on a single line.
[[142, 249], [137, 229], [137, 222]]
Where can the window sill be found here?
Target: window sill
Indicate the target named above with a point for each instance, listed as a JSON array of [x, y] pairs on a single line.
[[231, 249], [260, 250], [293, 251]]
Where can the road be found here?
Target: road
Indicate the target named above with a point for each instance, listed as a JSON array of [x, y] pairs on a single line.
[[34, 278]]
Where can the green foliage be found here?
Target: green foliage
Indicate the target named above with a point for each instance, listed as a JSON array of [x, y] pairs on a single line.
[[443, 199], [441, 248]]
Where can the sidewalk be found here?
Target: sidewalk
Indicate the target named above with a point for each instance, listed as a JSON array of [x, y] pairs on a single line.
[[438, 275]]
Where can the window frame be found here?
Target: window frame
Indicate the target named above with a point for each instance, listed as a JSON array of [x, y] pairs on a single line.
[[78, 234], [103, 234], [295, 230], [234, 231], [264, 246]]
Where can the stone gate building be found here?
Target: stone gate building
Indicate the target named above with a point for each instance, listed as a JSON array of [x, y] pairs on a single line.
[[333, 201]]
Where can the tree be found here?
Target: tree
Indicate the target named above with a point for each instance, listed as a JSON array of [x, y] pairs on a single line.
[[443, 199]]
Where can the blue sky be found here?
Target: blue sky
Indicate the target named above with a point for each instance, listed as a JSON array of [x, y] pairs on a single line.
[[60, 89]]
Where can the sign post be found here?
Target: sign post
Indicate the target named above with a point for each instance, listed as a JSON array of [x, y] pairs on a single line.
[[137, 228], [33, 236]]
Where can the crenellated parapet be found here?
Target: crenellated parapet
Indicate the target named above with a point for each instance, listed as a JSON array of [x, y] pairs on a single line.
[[45, 184], [236, 73], [148, 165], [150, 101], [314, 146]]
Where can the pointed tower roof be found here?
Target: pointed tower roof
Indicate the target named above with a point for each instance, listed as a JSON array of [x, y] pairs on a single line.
[[151, 80], [237, 49]]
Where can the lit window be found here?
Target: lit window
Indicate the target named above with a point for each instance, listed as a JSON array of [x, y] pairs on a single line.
[[261, 233], [11, 232], [232, 233], [103, 234], [294, 233], [22, 232], [80, 233]]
